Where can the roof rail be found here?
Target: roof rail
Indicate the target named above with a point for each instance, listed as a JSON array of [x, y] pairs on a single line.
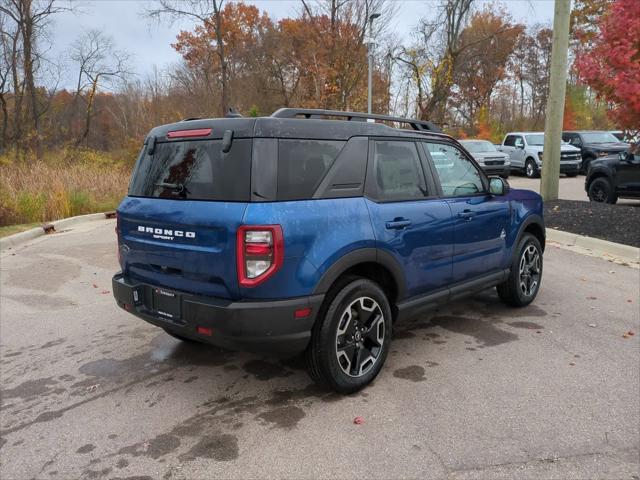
[[420, 125]]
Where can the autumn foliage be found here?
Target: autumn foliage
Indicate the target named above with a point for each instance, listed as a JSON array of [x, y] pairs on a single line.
[[611, 65]]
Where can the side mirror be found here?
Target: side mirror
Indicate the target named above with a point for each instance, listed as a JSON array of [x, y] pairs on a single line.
[[520, 146], [498, 186]]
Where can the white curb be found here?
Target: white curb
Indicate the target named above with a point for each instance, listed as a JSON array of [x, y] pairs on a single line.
[[595, 247], [16, 239]]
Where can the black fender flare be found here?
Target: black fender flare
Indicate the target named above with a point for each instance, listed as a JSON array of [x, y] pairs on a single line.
[[356, 257], [534, 218]]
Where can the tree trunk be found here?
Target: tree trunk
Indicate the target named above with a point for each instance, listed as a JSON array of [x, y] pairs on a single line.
[[90, 100]]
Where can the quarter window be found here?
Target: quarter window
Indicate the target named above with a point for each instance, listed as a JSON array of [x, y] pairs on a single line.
[[302, 164], [399, 174], [458, 175]]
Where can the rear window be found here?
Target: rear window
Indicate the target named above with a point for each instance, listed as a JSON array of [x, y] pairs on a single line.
[[302, 164], [194, 170]]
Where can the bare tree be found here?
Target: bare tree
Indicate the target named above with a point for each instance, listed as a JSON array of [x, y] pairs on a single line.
[[209, 13], [31, 17], [99, 64], [432, 60]]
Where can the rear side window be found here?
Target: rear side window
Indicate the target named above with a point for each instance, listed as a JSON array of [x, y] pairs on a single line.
[[302, 164], [399, 174], [194, 170]]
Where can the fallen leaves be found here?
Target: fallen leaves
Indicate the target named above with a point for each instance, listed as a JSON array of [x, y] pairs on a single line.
[[358, 420], [628, 334]]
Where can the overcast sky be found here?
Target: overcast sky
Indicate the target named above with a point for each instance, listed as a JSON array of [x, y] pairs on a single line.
[[150, 43]]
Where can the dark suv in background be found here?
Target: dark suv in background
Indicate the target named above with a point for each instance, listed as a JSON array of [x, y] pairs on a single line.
[[314, 231], [593, 144], [614, 176]]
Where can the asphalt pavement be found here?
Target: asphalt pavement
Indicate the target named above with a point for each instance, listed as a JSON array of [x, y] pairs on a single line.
[[474, 390], [569, 188]]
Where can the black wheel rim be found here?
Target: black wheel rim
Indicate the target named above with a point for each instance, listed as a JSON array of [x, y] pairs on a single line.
[[599, 194], [360, 336], [529, 272], [530, 169]]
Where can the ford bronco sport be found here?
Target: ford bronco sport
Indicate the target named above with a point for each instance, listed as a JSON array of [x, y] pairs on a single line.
[[315, 231]]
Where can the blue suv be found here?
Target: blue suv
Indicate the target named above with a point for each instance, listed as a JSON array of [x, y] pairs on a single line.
[[315, 231]]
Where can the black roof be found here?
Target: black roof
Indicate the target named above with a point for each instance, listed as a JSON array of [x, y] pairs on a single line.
[[305, 124]]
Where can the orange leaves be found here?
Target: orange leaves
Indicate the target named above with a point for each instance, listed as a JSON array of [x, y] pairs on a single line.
[[569, 119]]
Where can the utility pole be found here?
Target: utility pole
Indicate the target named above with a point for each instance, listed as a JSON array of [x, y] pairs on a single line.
[[370, 44], [549, 179]]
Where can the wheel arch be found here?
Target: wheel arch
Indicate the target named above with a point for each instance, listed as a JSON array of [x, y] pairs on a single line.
[[595, 175], [534, 225], [375, 264]]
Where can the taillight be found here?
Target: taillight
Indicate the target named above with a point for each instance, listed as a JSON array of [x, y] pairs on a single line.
[[260, 252]]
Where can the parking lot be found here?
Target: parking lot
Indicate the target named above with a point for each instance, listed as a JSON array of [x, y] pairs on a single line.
[[569, 188], [475, 390]]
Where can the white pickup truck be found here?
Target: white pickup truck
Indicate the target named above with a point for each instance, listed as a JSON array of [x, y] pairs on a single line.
[[525, 152]]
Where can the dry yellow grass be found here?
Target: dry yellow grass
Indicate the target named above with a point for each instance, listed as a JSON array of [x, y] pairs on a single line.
[[63, 186]]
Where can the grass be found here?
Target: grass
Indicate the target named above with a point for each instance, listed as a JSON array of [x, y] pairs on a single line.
[[63, 184], [11, 229]]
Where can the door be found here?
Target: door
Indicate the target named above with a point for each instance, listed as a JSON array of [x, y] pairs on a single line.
[[409, 221], [481, 219], [518, 156], [628, 175], [513, 146]]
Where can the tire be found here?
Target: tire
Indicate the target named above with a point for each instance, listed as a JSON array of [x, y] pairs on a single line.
[[344, 364], [531, 168], [601, 191], [572, 174], [524, 268], [180, 337]]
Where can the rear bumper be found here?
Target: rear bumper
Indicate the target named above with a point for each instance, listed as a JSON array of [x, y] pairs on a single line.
[[258, 326]]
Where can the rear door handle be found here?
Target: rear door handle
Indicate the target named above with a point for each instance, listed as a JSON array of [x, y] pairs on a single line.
[[467, 214], [397, 224]]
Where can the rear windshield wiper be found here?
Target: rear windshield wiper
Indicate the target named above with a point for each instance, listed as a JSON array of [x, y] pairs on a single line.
[[178, 188]]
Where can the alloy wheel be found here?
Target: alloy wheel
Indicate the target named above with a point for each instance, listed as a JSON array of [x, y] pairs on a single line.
[[598, 193], [529, 270], [360, 336], [530, 170]]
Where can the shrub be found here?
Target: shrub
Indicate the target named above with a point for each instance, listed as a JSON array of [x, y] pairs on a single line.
[[65, 183]]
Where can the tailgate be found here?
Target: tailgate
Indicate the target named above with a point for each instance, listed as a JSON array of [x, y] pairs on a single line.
[[177, 227], [181, 245]]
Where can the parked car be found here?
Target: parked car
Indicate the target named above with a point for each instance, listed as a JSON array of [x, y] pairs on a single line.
[[299, 233], [619, 134], [490, 159], [614, 176], [593, 145], [525, 152]]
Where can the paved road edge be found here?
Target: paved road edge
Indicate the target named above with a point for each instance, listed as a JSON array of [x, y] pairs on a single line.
[[595, 247], [16, 239]]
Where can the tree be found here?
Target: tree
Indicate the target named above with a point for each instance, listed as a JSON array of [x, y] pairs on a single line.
[[99, 64], [486, 45], [208, 12], [611, 66], [432, 60]]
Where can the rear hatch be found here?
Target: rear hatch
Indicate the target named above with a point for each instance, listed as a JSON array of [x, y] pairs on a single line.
[[177, 226]]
